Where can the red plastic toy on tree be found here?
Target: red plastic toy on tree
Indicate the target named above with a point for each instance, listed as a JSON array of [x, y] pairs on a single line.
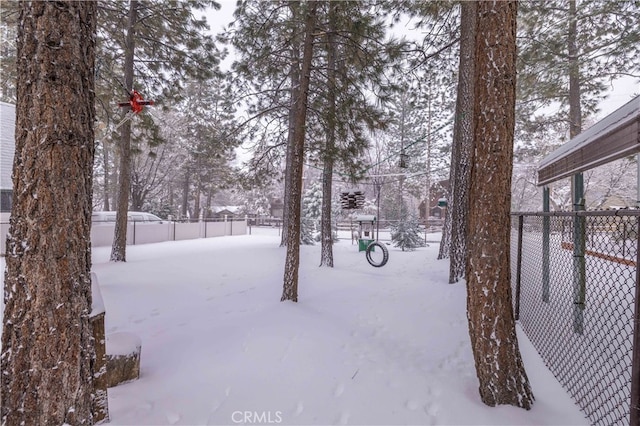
[[136, 103]]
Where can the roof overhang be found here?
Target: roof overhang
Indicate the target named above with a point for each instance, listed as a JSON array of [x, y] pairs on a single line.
[[615, 136]]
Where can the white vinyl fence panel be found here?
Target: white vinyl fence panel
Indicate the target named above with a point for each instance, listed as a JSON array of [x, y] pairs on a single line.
[[146, 233]]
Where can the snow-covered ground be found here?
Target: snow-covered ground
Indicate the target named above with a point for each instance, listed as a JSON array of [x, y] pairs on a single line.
[[364, 345]]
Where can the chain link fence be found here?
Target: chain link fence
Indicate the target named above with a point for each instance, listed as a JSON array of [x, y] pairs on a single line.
[[575, 286]]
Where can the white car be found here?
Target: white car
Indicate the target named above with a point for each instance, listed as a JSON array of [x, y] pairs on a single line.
[[106, 217]]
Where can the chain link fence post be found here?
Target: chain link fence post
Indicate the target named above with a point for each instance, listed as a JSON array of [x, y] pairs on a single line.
[[546, 233], [634, 414], [519, 266]]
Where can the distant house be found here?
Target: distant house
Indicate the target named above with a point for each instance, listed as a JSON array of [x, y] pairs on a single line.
[[7, 150], [228, 211], [438, 195]]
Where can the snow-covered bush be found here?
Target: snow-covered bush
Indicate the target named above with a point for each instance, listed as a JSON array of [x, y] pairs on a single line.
[[307, 229], [406, 234]]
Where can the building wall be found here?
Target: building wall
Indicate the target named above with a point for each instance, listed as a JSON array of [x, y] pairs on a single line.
[[7, 149]]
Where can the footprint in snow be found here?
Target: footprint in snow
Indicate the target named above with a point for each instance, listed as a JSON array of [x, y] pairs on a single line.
[[215, 405], [299, 408], [343, 419], [339, 390], [173, 418], [432, 411], [148, 405], [412, 404]]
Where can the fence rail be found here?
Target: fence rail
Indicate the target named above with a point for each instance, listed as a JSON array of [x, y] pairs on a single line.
[[150, 232], [575, 280]]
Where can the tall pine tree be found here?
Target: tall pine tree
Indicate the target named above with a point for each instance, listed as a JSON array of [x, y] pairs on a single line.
[[499, 366], [164, 45], [47, 343]]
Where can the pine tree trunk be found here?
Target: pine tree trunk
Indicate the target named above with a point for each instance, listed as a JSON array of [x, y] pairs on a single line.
[[47, 346], [119, 247], [292, 260], [290, 153], [326, 231], [196, 204], [462, 149], [491, 322], [185, 193], [107, 186]]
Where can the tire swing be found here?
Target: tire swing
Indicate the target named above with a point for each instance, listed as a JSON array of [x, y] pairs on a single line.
[[385, 254]]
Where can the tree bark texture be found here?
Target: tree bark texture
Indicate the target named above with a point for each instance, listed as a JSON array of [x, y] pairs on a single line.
[[326, 231], [499, 366], [294, 75], [186, 184], [119, 247], [462, 149], [292, 260], [47, 346], [107, 183]]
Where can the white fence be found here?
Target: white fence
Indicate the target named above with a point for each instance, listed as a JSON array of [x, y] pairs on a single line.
[[146, 233]]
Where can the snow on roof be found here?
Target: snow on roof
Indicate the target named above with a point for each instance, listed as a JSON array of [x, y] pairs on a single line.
[[611, 138], [365, 218], [7, 143], [230, 209]]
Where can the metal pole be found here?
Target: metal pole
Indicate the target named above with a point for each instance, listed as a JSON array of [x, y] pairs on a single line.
[[519, 266], [546, 230], [638, 181], [634, 415], [378, 213], [578, 255]]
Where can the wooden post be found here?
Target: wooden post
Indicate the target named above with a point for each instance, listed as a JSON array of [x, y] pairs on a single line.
[[100, 409], [100, 402]]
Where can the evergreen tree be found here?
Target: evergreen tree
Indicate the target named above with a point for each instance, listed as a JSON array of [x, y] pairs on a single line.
[[295, 160], [118, 249], [8, 32], [462, 150], [312, 204], [266, 40], [569, 51], [406, 234], [256, 203], [307, 231], [494, 342], [164, 44], [47, 342], [311, 213], [349, 59], [208, 138], [355, 55]]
